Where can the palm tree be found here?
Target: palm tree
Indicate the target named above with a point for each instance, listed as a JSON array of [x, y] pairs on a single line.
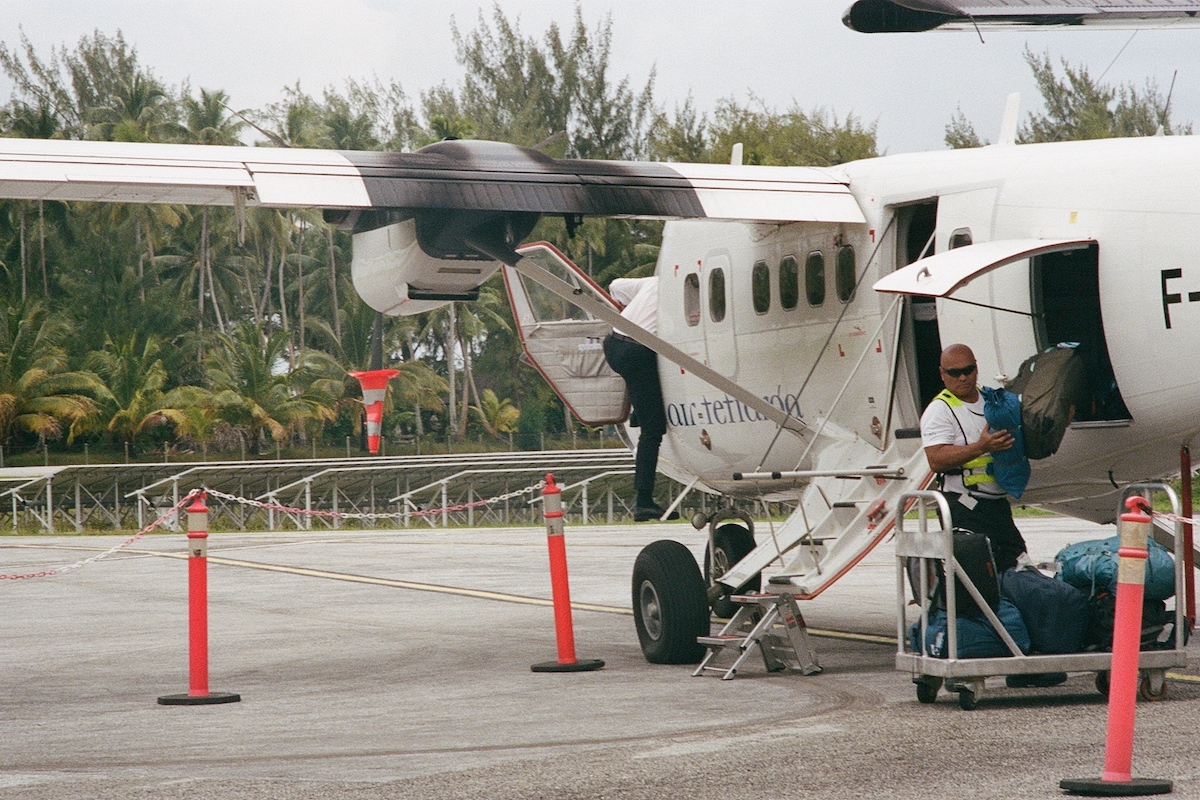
[[463, 328], [296, 120], [40, 121], [36, 396], [209, 121], [497, 416], [134, 377], [264, 397], [197, 414], [139, 111]]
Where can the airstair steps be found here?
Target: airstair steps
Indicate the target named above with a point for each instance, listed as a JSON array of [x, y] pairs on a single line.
[[771, 622], [848, 517]]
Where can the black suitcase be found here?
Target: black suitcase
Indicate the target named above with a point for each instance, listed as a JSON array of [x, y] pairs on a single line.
[[973, 551]]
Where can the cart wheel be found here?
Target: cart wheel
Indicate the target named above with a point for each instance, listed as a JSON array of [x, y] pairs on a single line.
[[1153, 686], [1102, 684], [927, 688], [967, 699]]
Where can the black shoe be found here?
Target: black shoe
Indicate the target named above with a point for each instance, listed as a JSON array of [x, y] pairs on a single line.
[[647, 513], [1039, 680]]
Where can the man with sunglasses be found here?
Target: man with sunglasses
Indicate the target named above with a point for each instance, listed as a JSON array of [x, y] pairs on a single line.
[[959, 445]]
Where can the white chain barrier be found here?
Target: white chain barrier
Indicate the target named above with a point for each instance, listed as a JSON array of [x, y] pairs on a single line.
[[370, 515], [1176, 518], [52, 571], [232, 498]]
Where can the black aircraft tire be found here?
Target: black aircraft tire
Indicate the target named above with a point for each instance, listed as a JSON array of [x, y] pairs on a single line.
[[670, 605], [732, 542]]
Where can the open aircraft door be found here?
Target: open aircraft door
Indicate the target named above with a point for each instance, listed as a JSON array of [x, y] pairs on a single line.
[[564, 342], [1051, 296], [940, 275]]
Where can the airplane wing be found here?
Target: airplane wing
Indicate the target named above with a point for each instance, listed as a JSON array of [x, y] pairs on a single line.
[[464, 176], [910, 16]]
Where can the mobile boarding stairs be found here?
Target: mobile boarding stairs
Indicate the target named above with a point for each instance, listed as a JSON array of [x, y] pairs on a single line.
[[843, 513]]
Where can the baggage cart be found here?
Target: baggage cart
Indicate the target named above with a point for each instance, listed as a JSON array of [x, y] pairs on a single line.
[[927, 539]]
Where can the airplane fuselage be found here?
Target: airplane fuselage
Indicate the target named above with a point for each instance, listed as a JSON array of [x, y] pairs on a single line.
[[776, 308]]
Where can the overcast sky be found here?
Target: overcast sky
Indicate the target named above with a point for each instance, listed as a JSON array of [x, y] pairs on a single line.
[[783, 51]]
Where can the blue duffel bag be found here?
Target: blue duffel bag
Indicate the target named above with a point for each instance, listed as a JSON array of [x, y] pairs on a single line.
[[1092, 567], [1010, 467], [1057, 614], [976, 639]]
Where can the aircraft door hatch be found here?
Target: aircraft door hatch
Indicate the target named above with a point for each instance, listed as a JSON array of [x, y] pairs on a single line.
[[920, 339], [564, 342], [1065, 289]]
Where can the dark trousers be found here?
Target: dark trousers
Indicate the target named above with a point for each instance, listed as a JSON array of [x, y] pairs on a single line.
[[638, 365], [994, 519]]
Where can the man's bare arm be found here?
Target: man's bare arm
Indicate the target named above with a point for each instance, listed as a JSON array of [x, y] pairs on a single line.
[[945, 457]]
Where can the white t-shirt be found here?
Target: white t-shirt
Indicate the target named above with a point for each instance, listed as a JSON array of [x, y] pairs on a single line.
[[941, 425], [640, 298]]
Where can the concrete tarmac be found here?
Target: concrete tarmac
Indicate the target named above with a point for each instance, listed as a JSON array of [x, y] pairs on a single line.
[[395, 664]]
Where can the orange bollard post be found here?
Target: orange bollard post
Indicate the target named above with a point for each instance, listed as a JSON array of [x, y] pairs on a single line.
[[198, 693], [560, 588], [1117, 779]]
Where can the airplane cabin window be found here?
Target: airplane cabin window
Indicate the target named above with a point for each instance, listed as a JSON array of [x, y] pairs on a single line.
[[960, 238], [845, 273], [691, 299], [716, 295], [814, 278], [789, 283], [760, 287]]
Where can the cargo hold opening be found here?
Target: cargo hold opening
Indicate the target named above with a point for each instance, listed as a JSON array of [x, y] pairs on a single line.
[[1066, 299]]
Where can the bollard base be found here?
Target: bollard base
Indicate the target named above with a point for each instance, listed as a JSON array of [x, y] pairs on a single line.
[[582, 665], [213, 698], [1097, 787]]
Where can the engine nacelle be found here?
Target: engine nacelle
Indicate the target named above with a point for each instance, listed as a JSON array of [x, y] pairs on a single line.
[[898, 16], [393, 274]]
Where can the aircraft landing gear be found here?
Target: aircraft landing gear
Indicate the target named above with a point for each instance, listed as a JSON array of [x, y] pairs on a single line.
[[730, 539], [670, 605], [730, 544]]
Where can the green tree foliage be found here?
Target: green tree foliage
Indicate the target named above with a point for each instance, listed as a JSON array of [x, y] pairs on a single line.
[[145, 324], [209, 119], [133, 378], [960, 133], [38, 396], [259, 396], [769, 137], [497, 416], [1078, 106]]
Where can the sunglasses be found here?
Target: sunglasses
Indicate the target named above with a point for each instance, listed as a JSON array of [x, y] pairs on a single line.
[[959, 372]]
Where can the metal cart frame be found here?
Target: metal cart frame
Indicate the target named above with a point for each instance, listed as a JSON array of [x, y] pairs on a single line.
[[966, 675]]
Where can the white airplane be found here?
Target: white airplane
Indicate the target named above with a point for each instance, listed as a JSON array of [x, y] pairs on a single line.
[[785, 374]]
